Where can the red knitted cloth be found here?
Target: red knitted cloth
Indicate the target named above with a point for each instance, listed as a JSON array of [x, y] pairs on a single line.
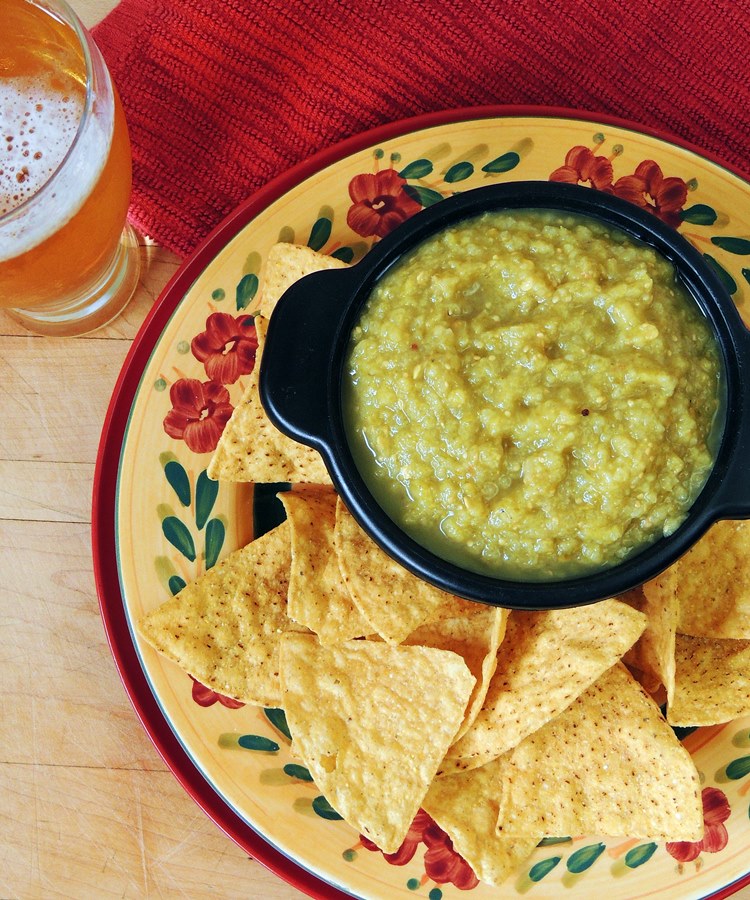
[[222, 95]]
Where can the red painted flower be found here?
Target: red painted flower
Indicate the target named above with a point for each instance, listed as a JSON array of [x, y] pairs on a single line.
[[408, 848], [648, 188], [227, 347], [380, 203], [443, 864], [583, 167], [715, 836], [204, 696], [200, 410]]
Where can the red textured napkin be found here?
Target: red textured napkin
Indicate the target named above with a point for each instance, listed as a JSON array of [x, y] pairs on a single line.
[[222, 95]]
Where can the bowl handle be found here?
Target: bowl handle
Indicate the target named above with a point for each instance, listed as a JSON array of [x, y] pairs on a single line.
[[732, 499], [296, 363]]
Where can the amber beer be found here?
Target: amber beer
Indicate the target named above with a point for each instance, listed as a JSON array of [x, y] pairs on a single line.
[[65, 171]]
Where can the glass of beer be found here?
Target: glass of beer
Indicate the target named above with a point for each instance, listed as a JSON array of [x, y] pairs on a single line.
[[69, 262]]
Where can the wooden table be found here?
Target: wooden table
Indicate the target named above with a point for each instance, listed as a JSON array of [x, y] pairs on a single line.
[[87, 807]]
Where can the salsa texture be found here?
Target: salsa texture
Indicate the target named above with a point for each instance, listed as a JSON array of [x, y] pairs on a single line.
[[533, 394]]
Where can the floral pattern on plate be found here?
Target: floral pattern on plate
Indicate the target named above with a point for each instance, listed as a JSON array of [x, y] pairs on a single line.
[[173, 523]]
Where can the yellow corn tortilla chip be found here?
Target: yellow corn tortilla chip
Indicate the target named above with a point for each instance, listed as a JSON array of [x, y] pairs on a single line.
[[475, 632], [607, 765], [224, 628], [251, 448], [285, 264], [318, 597], [653, 652], [713, 584], [545, 661], [466, 807], [392, 600], [371, 721], [712, 681]]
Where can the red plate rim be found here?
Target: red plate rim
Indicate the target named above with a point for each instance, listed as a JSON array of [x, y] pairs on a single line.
[[104, 548]]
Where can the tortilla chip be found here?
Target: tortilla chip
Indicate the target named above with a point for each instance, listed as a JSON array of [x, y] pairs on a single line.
[[546, 660], [712, 681], [713, 583], [224, 628], [285, 264], [371, 722], [318, 597], [475, 632], [607, 765], [653, 652], [392, 600], [466, 807], [251, 448]]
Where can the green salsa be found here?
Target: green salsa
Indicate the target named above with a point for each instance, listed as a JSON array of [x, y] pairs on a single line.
[[533, 395]]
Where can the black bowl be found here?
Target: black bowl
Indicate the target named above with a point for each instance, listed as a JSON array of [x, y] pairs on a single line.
[[302, 372]]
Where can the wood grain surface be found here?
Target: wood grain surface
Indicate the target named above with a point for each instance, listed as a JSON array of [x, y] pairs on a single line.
[[87, 807]]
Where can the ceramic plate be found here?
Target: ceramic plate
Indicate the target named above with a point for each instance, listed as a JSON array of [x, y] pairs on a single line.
[[159, 522]]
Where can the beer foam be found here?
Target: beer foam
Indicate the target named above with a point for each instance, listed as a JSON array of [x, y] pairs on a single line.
[[37, 128]]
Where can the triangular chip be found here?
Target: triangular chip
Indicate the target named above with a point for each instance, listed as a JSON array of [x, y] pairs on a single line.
[[545, 661], [712, 681], [653, 652], [318, 597], [390, 598], [465, 806], [251, 448], [371, 721], [474, 631], [285, 264], [712, 583], [608, 765], [224, 628]]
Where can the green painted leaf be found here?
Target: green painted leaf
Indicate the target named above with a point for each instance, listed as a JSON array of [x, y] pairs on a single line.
[[277, 717], [178, 479], [298, 772], [324, 809], [746, 275], [543, 867], [319, 234], [503, 163], [246, 290], [417, 169], [738, 768], [459, 172], [584, 858], [699, 214], [178, 536], [740, 246], [206, 491], [549, 841], [345, 254], [215, 533], [268, 510], [425, 196], [726, 279], [257, 742], [176, 584], [640, 855]]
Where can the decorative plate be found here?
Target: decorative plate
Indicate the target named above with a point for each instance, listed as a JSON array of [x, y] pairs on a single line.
[[159, 522]]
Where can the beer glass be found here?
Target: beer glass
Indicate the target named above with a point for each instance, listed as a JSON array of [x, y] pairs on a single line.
[[69, 262]]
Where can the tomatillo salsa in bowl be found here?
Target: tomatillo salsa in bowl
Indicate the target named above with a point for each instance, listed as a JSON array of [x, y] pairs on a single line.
[[529, 394]]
